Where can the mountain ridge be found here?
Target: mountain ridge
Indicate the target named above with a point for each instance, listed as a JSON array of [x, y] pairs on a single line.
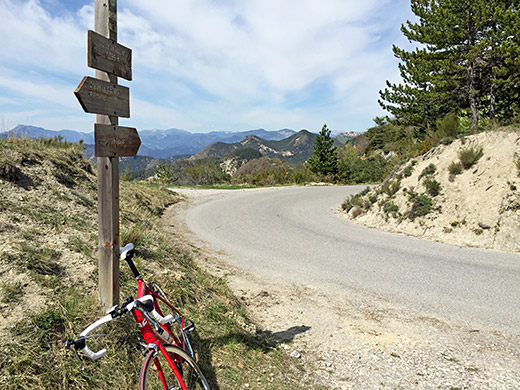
[[295, 148], [155, 143]]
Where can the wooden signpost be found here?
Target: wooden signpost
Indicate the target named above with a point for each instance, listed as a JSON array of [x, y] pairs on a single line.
[[109, 56], [116, 141], [103, 96]]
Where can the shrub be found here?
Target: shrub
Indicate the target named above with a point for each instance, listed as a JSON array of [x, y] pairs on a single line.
[[390, 187], [518, 165], [352, 168], [390, 207], [455, 168], [457, 223], [351, 201], [356, 212], [433, 187], [448, 126], [9, 161], [408, 170], [421, 206], [470, 155], [166, 174], [365, 191], [429, 170]]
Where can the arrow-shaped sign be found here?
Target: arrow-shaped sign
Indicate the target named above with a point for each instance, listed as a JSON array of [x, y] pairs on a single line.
[[101, 97], [116, 141], [109, 56]]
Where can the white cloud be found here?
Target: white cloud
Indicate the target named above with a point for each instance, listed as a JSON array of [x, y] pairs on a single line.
[[43, 91], [260, 51], [205, 64], [245, 47], [34, 39]]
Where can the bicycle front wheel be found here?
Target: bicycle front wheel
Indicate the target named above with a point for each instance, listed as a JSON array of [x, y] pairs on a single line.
[[158, 374]]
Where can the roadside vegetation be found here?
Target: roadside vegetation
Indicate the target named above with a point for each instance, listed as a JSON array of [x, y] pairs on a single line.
[[48, 231], [448, 98]]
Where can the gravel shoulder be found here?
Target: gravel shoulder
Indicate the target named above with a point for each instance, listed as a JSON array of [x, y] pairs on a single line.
[[350, 340]]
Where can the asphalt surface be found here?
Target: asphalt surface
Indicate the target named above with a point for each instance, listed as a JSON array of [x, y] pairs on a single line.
[[295, 235]]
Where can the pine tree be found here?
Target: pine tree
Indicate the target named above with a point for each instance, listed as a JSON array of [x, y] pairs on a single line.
[[324, 160], [460, 63], [505, 61]]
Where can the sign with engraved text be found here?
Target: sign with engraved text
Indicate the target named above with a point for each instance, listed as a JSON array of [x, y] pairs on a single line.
[[116, 141], [109, 56], [101, 97]]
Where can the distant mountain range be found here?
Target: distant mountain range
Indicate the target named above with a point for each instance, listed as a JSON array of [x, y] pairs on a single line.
[[155, 143], [158, 146]]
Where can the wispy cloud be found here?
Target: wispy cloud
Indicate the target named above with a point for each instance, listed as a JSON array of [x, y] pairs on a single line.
[[205, 64]]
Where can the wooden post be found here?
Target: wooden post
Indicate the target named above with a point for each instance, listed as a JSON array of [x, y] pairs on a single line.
[[103, 96], [105, 22]]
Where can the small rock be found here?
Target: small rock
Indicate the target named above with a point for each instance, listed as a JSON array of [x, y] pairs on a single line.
[[484, 226], [296, 354]]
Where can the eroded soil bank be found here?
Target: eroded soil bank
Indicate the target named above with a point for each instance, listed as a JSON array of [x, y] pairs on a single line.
[[479, 206]]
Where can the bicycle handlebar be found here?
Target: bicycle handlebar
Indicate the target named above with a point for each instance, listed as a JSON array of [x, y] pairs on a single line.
[[126, 253], [86, 350], [143, 304]]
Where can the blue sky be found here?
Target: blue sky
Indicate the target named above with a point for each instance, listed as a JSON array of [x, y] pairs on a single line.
[[207, 65]]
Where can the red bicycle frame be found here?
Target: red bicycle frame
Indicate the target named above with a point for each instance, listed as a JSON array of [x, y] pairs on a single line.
[[151, 337]]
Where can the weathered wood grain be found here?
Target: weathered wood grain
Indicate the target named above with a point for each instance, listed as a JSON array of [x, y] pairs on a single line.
[[102, 97], [105, 22], [109, 56], [116, 141]]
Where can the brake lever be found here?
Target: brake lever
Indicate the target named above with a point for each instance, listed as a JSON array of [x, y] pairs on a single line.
[[72, 343]]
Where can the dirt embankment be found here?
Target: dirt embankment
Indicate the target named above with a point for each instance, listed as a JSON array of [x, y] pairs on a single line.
[[429, 198]]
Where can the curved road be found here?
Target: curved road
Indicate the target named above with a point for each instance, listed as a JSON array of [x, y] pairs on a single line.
[[295, 235]]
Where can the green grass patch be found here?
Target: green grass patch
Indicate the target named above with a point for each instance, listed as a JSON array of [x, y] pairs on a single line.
[[11, 292], [470, 155], [455, 168]]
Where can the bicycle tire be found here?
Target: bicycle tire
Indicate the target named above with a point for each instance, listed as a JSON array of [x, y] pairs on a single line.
[[191, 375]]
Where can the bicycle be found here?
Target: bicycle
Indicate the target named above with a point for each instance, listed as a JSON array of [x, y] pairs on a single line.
[[170, 353]]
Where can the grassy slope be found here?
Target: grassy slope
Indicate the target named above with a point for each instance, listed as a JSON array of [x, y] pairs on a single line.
[[47, 261]]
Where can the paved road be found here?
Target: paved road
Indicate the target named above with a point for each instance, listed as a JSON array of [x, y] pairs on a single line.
[[295, 235]]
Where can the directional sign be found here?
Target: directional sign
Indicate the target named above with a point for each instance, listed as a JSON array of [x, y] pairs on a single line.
[[101, 97], [109, 56], [116, 141]]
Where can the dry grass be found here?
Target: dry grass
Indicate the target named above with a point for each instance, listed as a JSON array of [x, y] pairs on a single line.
[[49, 241]]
